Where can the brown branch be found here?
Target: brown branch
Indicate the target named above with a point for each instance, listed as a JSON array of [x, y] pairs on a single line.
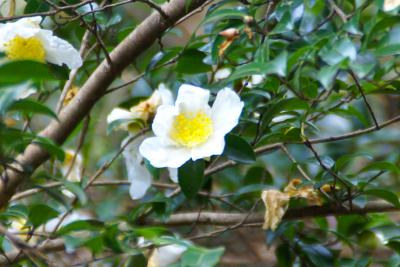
[[224, 218], [124, 54], [52, 246], [229, 219], [361, 90]]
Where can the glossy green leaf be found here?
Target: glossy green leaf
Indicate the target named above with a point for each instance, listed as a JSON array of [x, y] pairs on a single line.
[[190, 177], [31, 106], [40, 214], [238, 149], [384, 194]]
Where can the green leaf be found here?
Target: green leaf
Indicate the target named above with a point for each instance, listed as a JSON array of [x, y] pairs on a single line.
[[384, 194], [222, 14], [277, 66], [10, 94], [190, 177], [326, 75], [337, 51], [191, 62], [389, 50], [83, 225], [238, 149], [201, 257], [21, 71], [31, 106], [40, 214], [380, 166], [346, 159], [50, 146]]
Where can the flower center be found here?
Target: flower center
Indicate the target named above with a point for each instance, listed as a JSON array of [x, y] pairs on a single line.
[[20, 48], [190, 130]]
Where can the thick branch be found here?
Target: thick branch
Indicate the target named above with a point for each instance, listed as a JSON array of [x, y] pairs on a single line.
[[225, 219], [124, 54]]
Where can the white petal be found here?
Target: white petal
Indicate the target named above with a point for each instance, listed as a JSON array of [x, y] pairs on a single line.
[[389, 5], [166, 95], [6, 10], [59, 51], [173, 174], [192, 99], [165, 255], [162, 155], [164, 120], [139, 176], [25, 94], [119, 114], [222, 74], [257, 79], [213, 146], [226, 111], [75, 175]]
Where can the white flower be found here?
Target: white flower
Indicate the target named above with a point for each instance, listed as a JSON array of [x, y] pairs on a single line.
[[138, 174], [9, 8], [222, 74], [255, 79], [25, 40], [191, 129], [166, 255], [74, 172], [143, 111], [389, 5]]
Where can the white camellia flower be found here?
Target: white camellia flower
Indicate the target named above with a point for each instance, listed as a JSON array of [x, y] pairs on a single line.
[[222, 74], [138, 174], [191, 129], [25, 40], [255, 79], [10, 8], [389, 5], [143, 111], [166, 255]]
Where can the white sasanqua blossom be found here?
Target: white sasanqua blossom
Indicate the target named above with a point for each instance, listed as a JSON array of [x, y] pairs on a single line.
[[143, 111], [222, 74], [191, 129], [166, 255], [74, 172], [137, 172], [9, 8], [389, 5], [255, 80], [25, 40]]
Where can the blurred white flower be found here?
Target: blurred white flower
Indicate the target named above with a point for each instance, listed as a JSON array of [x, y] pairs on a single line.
[[74, 171], [191, 129], [25, 40], [9, 8], [255, 79], [222, 74], [166, 255], [144, 111], [50, 226], [389, 5], [138, 174]]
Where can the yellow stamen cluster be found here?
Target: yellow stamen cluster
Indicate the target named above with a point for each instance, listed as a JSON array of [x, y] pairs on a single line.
[[190, 130], [21, 48]]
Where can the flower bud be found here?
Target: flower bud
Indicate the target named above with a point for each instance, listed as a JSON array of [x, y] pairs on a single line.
[[230, 33]]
